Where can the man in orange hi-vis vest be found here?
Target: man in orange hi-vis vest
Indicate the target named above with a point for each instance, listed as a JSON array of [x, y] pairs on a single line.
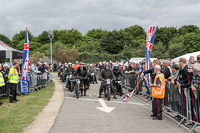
[[76, 65], [158, 93]]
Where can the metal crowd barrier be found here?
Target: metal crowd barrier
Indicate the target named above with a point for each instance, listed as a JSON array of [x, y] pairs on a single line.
[[183, 102], [36, 81], [39, 80]]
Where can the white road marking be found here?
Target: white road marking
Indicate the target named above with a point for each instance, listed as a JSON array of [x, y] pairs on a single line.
[[104, 107], [96, 100]]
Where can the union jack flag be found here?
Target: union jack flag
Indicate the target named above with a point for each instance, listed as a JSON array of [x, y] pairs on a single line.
[[149, 44], [127, 96], [24, 80]]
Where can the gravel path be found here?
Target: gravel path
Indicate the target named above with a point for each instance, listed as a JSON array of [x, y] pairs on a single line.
[[45, 120]]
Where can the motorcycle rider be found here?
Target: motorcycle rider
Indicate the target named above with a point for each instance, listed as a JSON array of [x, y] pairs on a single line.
[[61, 71], [117, 72], [90, 71], [70, 71], [105, 74], [65, 72], [82, 73]]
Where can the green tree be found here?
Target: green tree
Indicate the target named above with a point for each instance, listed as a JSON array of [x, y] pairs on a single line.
[[159, 51], [42, 38], [187, 29], [95, 34], [5, 39], [112, 42], [191, 42], [165, 34], [18, 38]]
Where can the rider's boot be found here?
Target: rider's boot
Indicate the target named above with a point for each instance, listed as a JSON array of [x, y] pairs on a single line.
[[85, 91], [99, 94], [114, 95], [81, 92]]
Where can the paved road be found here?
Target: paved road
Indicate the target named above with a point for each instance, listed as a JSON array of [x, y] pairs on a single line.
[[82, 116]]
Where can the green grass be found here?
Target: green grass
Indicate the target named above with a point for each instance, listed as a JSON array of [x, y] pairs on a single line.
[[14, 117]]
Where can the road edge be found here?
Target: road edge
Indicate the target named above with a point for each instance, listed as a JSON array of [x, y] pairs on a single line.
[[45, 119]]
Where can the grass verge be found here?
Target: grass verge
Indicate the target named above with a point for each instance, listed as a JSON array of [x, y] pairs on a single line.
[[14, 117]]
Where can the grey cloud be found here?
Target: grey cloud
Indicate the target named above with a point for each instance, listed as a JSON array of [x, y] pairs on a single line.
[[40, 15]]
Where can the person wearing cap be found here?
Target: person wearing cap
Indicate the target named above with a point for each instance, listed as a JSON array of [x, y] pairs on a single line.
[[34, 68], [173, 88], [76, 65], [158, 93], [83, 75]]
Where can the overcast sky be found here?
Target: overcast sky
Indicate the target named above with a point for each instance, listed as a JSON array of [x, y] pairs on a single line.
[[84, 15]]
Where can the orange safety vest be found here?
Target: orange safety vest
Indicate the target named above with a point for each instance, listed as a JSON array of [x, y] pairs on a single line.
[[159, 92], [76, 66]]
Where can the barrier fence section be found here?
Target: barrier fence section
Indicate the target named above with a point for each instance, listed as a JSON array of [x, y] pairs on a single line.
[[182, 101], [36, 81]]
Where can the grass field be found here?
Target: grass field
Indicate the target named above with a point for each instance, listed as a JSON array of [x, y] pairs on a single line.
[[14, 117]]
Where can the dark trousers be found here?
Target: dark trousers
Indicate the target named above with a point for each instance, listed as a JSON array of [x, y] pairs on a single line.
[[167, 93], [131, 81], [13, 92], [103, 87], [157, 108]]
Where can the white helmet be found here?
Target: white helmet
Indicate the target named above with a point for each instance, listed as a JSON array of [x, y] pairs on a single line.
[[69, 63]]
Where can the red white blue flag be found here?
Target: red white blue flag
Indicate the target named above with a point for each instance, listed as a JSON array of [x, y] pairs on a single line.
[[149, 44], [24, 80], [128, 96]]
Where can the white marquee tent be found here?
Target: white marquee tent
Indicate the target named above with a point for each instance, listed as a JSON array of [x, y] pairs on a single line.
[[187, 56]]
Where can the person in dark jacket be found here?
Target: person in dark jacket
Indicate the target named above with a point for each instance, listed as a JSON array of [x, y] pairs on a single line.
[[118, 73], [131, 75], [42, 68], [105, 74], [189, 90], [81, 72], [167, 73], [182, 79]]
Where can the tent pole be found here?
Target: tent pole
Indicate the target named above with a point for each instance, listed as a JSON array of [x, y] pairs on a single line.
[[10, 57]]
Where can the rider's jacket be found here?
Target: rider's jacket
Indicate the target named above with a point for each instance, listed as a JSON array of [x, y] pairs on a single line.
[[82, 72], [70, 71], [105, 74]]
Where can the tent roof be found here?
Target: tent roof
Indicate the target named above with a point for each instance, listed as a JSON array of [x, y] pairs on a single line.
[[187, 56], [7, 51], [4, 46]]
